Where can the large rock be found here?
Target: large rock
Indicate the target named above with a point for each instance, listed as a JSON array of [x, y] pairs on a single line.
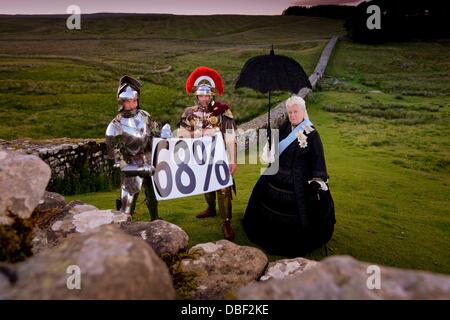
[[223, 266], [40, 240], [281, 269], [162, 236], [343, 277], [49, 208], [23, 179], [112, 265], [75, 218], [50, 201]]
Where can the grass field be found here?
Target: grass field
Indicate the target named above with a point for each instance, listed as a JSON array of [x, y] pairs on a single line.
[[387, 152], [49, 74], [382, 112]]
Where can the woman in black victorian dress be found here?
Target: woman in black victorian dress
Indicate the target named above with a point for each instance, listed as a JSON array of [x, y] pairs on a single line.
[[291, 212]]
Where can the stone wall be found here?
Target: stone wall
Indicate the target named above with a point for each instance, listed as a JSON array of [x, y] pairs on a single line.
[[50, 246], [77, 165]]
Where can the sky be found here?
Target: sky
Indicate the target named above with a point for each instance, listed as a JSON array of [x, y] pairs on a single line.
[[188, 7]]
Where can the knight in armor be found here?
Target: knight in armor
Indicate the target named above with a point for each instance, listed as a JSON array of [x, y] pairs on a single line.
[[129, 145], [207, 117], [291, 213]]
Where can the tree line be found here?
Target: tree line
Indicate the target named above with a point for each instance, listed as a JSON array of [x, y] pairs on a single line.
[[401, 20]]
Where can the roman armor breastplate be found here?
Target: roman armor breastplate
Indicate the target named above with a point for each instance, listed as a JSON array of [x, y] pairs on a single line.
[[201, 119]]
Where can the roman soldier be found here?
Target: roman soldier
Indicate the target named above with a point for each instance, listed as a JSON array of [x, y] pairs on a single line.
[[207, 117], [129, 145]]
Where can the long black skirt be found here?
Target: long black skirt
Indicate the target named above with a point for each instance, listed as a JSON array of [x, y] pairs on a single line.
[[276, 221]]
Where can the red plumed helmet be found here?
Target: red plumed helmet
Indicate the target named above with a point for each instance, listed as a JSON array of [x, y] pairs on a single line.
[[204, 74]]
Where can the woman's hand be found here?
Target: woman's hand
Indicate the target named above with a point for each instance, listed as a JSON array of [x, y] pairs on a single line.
[[232, 167]]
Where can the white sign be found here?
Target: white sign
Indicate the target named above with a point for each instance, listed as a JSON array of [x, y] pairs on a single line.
[[187, 167]]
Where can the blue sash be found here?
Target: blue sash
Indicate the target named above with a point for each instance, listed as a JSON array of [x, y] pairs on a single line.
[[292, 136]]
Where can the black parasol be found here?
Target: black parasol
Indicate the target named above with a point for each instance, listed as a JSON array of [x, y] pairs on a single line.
[[272, 72]]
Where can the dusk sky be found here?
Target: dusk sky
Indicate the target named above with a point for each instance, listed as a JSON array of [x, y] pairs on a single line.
[[252, 7]]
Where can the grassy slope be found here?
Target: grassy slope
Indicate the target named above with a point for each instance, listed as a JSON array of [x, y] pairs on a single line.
[[388, 122], [59, 83], [389, 173], [382, 113]]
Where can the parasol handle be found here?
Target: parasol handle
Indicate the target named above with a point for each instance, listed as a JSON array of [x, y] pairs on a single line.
[[269, 130]]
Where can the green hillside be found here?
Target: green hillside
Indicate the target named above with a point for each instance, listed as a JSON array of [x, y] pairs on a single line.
[[382, 112], [62, 83]]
